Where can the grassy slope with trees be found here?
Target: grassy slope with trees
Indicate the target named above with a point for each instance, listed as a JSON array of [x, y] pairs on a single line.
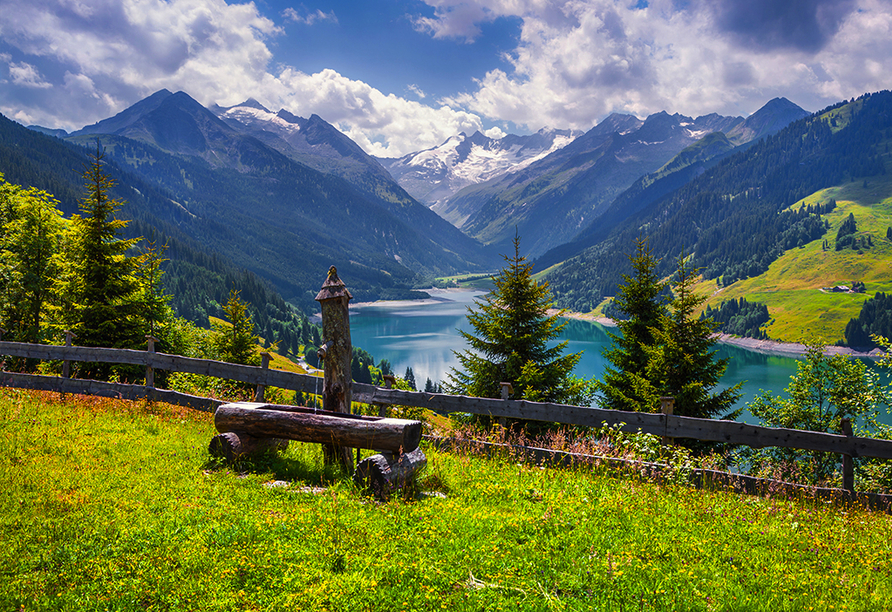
[[775, 268], [791, 287]]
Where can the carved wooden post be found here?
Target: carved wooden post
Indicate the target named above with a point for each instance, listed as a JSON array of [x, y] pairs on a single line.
[[66, 365], [389, 379], [337, 387], [848, 467], [667, 407], [150, 371], [261, 389]]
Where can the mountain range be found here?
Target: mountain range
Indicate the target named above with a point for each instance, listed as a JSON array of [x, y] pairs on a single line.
[[284, 197], [554, 185], [276, 214]]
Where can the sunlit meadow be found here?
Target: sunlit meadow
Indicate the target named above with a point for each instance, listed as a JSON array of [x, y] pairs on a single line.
[[110, 505]]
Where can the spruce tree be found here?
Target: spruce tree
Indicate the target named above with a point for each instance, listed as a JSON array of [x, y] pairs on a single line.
[[682, 363], [409, 377], [625, 385], [236, 342], [99, 292], [510, 343]]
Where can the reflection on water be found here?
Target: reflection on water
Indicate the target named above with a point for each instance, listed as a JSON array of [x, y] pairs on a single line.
[[424, 335]]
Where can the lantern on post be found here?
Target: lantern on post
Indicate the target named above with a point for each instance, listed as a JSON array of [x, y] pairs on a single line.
[[337, 387]]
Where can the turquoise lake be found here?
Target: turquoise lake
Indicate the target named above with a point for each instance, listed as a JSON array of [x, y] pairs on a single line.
[[423, 335]]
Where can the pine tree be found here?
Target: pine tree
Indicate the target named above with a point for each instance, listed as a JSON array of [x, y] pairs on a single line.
[[625, 385], [409, 377], [99, 292], [682, 363], [510, 343], [236, 342]]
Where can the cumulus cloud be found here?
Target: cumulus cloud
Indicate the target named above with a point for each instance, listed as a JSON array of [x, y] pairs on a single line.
[[382, 124], [132, 48], [578, 60], [26, 75], [768, 25], [66, 63], [415, 89], [114, 53]]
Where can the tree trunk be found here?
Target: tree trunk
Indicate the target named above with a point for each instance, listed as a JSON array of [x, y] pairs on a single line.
[[383, 473], [348, 431], [234, 445]]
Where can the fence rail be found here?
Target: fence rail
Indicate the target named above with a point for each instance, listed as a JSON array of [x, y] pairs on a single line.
[[667, 425]]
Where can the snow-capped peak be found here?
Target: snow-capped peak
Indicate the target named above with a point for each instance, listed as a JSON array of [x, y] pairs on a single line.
[[434, 174]]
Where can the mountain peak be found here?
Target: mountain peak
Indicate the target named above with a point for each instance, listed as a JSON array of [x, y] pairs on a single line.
[[252, 103], [127, 116], [774, 116]]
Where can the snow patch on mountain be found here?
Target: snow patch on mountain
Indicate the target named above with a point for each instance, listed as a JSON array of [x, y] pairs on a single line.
[[255, 115], [435, 174]]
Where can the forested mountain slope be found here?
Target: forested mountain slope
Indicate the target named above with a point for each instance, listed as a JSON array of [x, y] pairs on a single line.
[[558, 197], [278, 210], [735, 218], [199, 281]]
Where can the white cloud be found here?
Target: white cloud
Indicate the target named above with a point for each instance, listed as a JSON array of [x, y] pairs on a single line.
[[415, 89], [382, 124], [580, 60], [129, 49], [495, 133], [26, 75], [114, 53], [310, 17], [575, 61]]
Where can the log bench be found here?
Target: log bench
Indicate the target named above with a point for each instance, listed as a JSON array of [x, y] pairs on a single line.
[[250, 428]]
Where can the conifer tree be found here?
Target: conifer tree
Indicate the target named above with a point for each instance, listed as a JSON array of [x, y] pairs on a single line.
[[236, 343], [681, 362], [510, 343], [99, 291], [625, 385], [409, 377]]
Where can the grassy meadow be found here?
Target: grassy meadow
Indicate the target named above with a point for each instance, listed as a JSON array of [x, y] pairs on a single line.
[[791, 288], [110, 505]]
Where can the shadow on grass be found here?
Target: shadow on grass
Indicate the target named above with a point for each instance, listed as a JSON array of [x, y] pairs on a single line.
[[295, 465]]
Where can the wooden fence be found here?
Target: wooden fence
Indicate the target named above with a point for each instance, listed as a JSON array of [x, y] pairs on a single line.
[[666, 425]]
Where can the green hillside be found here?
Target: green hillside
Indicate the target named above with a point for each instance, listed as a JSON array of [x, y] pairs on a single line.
[[791, 287], [762, 224]]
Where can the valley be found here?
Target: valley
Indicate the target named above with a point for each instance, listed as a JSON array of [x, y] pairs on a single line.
[[244, 190]]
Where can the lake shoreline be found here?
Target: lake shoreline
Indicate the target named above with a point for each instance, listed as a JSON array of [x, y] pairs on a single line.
[[767, 347]]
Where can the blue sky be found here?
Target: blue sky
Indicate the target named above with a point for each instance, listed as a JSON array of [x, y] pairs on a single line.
[[403, 75]]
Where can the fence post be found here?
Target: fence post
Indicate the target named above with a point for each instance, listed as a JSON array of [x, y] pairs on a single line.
[[261, 389], [848, 467], [667, 407], [507, 390], [337, 386], [389, 379], [66, 364], [150, 371]]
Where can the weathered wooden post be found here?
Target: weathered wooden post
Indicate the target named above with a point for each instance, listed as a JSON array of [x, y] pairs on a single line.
[[507, 390], [150, 371], [66, 364], [261, 389], [389, 379], [337, 385], [848, 467], [667, 407]]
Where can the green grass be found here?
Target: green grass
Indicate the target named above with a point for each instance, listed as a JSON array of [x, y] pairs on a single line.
[[111, 505], [791, 286]]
